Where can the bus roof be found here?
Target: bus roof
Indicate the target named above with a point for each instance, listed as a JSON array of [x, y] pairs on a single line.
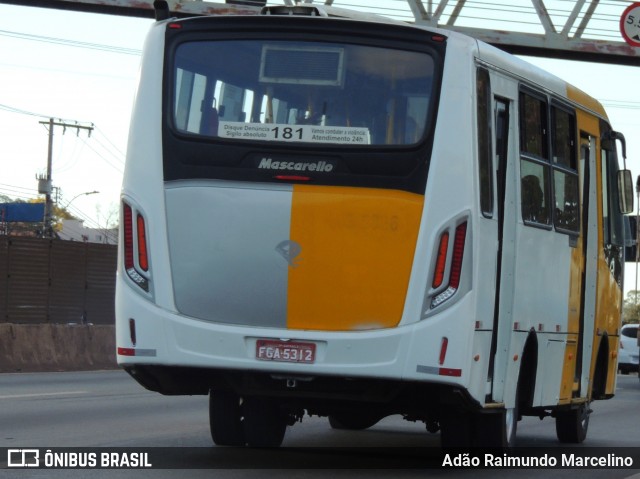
[[499, 59]]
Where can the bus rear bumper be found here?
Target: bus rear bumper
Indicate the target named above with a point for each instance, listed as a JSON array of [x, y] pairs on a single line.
[[174, 354]]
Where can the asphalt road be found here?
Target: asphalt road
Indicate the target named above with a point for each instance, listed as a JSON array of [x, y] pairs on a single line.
[[107, 409]]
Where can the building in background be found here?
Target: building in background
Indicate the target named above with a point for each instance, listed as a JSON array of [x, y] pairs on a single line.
[[74, 230]]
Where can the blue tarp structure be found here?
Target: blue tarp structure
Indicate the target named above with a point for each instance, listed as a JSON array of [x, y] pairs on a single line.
[[21, 212]]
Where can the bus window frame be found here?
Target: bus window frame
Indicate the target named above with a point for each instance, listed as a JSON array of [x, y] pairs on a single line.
[[612, 227], [550, 105], [533, 158], [554, 105], [400, 167], [170, 83], [484, 113]]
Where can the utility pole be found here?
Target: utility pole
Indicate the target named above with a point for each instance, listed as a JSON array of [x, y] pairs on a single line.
[[45, 184]]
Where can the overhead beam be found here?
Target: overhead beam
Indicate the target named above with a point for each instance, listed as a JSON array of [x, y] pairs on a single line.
[[550, 46], [143, 8], [552, 43], [557, 41]]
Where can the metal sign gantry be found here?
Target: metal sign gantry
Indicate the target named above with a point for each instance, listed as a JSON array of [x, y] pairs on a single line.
[[587, 30], [565, 35]]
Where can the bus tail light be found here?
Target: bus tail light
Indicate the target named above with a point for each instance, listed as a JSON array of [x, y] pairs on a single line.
[[453, 257], [441, 262], [135, 241], [143, 260]]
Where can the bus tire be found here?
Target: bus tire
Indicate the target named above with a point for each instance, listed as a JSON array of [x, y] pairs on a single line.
[[496, 430], [572, 425], [353, 421], [264, 422], [455, 429], [225, 418]]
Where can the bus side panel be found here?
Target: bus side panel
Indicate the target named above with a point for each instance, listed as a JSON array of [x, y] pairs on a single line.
[[578, 302], [542, 279], [608, 301]]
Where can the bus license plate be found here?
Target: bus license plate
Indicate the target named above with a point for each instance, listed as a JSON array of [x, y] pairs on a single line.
[[285, 351]]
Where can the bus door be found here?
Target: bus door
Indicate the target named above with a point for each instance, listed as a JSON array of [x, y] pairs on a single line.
[[497, 155], [501, 329], [589, 215]]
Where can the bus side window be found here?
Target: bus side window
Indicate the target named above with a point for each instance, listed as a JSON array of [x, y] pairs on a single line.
[[190, 93], [612, 217], [534, 161], [565, 172], [484, 142], [612, 221], [533, 208]]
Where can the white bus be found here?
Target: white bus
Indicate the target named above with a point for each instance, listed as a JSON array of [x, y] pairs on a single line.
[[354, 218]]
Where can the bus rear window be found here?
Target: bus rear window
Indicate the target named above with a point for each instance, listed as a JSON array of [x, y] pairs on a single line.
[[305, 92]]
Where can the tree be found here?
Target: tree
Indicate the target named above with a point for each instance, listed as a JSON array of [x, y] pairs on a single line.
[[631, 308]]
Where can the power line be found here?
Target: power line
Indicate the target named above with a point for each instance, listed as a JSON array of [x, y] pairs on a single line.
[[71, 43], [18, 187], [623, 104], [106, 230], [116, 168], [99, 131], [16, 194], [118, 155], [21, 112]]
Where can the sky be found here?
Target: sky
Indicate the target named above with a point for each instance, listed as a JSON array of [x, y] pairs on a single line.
[[83, 67], [75, 67]]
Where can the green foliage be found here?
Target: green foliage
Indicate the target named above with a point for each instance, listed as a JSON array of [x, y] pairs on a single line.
[[631, 308]]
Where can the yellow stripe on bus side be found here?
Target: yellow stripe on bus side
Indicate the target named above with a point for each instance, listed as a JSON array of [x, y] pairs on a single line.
[[580, 97], [356, 252]]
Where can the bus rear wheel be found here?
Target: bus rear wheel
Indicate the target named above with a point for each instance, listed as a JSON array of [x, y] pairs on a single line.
[[572, 425], [455, 429], [496, 430], [225, 418], [354, 421], [264, 422]]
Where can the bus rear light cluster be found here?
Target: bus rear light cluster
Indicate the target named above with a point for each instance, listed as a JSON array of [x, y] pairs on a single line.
[[455, 271], [136, 259], [441, 262]]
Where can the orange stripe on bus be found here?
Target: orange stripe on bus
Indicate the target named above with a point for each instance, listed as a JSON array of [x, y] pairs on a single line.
[[356, 252]]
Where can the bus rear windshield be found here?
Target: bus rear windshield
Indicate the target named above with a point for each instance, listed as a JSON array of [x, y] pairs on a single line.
[[301, 91]]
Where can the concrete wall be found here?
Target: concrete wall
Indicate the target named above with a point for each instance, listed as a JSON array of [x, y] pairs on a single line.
[[56, 347]]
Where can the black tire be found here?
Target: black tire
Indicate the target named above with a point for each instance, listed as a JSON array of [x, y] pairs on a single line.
[[353, 421], [225, 419], [572, 425], [456, 429], [264, 422], [496, 430]]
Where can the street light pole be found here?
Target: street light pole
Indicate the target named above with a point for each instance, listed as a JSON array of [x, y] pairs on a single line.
[[84, 194]]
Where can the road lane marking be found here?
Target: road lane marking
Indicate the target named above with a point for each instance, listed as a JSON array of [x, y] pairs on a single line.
[[37, 395]]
